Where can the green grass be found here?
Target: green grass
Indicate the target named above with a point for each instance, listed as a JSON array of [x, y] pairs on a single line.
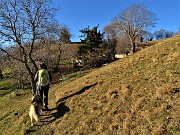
[[66, 62], [13, 111], [11, 103], [6, 86], [136, 95]]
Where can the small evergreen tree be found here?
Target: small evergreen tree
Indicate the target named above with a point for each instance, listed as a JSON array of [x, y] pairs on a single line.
[[92, 37], [93, 43]]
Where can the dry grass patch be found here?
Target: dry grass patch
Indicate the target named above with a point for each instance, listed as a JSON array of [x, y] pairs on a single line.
[[164, 89]]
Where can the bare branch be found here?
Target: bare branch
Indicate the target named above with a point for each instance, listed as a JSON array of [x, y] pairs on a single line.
[[3, 50]]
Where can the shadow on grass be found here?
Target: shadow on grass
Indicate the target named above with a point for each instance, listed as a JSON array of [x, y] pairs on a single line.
[[29, 131], [57, 112], [61, 109], [176, 90], [77, 93], [4, 92]]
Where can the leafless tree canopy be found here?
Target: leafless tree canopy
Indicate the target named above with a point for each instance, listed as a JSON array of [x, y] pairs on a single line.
[[64, 34], [111, 31], [135, 19], [22, 23]]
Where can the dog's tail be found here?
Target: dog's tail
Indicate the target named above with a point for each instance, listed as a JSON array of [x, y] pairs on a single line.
[[34, 113]]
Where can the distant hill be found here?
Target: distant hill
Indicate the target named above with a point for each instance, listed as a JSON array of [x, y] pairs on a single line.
[[139, 94]]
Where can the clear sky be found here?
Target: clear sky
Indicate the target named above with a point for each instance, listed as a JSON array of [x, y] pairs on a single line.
[[78, 14]]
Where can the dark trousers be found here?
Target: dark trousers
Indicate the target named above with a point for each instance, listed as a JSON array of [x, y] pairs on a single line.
[[43, 91]]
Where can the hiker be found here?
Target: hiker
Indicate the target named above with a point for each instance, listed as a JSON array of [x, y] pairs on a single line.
[[43, 79]]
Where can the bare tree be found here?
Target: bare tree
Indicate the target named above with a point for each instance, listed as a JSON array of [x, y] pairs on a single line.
[[112, 34], [65, 34], [133, 20], [123, 45], [111, 31], [22, 23], [1, 64], [147, 36], [159, 34], [52, 48], [64, 37], [169, 34]]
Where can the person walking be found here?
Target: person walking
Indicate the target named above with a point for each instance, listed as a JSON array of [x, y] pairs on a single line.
[[43, 79]]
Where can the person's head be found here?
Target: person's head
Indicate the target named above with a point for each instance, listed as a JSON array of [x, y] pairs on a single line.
[[43, 66]]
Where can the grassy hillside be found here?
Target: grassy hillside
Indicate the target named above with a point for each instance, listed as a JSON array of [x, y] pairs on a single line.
[[136, 95], [139, 94]]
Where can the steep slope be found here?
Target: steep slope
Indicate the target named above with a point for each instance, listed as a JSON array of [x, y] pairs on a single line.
[[139, 94], [136, 95]]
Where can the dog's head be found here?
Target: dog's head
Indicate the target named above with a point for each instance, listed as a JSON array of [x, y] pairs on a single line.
[[36, 98]]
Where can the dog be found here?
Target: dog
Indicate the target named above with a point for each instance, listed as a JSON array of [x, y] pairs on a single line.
[[35, 108]]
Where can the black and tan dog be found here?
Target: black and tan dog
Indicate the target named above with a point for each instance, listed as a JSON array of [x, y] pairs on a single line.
[[35, 108]]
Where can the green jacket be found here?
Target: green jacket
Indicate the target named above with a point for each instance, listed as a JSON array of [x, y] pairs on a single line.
[[43, 77]]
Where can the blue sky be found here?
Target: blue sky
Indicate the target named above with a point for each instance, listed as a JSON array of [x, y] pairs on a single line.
[[78, 14]]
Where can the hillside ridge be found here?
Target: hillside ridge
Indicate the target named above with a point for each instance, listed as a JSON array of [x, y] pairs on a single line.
[[149, 76], [138, 94]]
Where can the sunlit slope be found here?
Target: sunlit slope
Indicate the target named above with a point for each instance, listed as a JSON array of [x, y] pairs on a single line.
[[135, 95]]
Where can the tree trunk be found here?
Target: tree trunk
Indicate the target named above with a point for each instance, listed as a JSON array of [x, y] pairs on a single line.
[[59, 58], [31, 74], [114, 44], [33, 85], [1, 75], [133, 45]]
